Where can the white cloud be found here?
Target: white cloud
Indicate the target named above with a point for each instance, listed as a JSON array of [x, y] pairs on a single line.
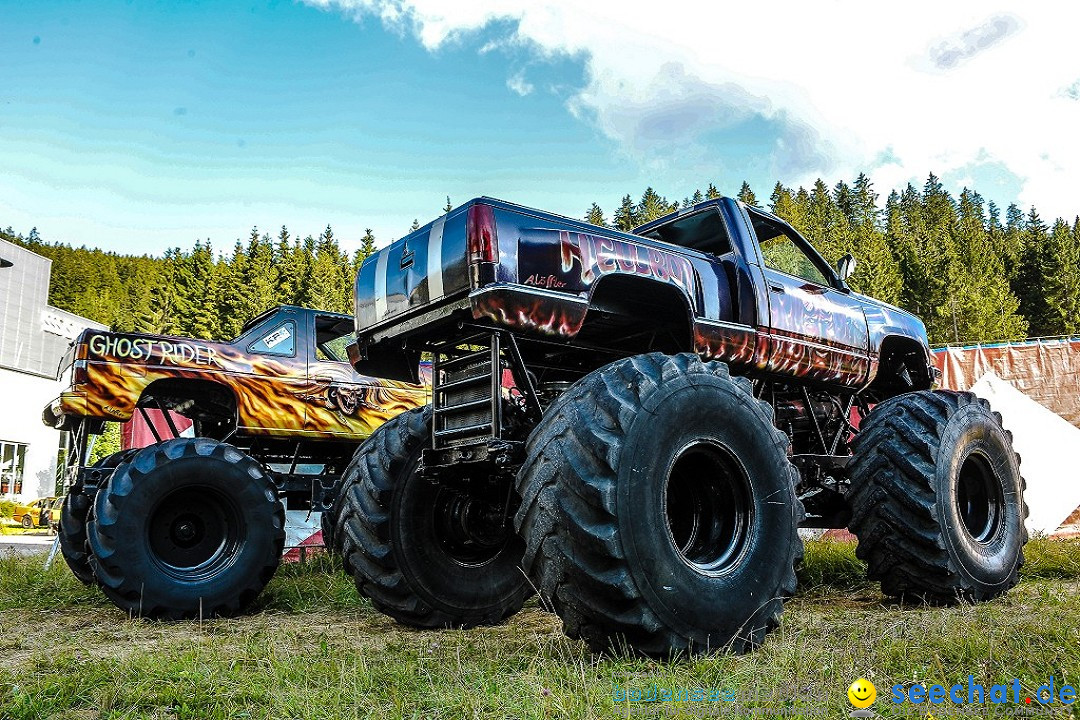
[[967, 44], [896, 90], [517, 83]]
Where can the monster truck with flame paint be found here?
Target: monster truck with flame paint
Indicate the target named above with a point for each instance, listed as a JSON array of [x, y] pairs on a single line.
[[195, 525], [636, 424]]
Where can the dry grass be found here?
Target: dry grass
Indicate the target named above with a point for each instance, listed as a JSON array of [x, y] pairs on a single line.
[[313, 649]]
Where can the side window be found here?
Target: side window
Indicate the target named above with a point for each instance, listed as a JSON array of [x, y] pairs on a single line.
[[279, 339], [780, 252], [703, 231], [332, 335]]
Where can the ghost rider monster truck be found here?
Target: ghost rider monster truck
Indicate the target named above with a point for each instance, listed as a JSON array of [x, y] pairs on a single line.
[[636, 425], [194, 526]]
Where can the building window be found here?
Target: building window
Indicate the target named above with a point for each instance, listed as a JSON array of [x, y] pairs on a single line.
[[12, 463]]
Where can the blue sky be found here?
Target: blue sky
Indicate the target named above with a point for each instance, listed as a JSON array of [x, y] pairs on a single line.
[[136, 128], [139, 126]]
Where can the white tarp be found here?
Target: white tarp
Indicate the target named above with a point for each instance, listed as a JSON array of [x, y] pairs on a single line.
[[300, 525], [1049, 448]]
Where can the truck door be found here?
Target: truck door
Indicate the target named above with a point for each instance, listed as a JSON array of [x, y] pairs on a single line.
[[817, 330], [266, 390], [338, 396]]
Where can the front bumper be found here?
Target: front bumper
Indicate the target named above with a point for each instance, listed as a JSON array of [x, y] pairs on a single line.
[[70, 403]]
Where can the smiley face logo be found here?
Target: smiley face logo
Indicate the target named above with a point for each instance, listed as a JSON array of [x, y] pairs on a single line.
[[862, 693]]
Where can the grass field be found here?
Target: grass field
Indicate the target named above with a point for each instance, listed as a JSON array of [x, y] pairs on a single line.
[[313, 649]]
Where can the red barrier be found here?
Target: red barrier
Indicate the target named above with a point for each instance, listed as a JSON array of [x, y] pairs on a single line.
[[136, 432], [1047, 371]]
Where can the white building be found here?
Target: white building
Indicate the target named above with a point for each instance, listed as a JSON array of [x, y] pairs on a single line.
[[33, 340]]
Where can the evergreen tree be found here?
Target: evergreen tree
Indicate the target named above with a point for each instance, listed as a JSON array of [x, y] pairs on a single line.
[[651, 207], [193, 287], [449, 206], [1031, 275], [920, 228], [232, 300], [261, 281], [779, 193], [626, 217], [415, 225], [141, 279], [746, 195], [595, 216], [289, 270], [711, 193], [304, 252], [367, 244], [330, 282], [1063, 281], [846, 202], [866, 210], [1012, 248], [877, 272], [826, 227], [979, 292]]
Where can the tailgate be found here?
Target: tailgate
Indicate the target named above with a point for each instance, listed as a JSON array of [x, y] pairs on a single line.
[[421, 269]]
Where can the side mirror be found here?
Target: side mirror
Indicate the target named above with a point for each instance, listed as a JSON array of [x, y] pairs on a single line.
[[845, 266]]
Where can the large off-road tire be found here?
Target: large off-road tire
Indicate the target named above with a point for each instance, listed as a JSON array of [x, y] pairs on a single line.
[[659, 509], [937, 498], [187, 528], [428, 555], [74, 513]]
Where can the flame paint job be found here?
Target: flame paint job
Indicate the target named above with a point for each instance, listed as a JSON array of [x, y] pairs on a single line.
[[796, 356], [734, 344], [530, 310], [298, 395]]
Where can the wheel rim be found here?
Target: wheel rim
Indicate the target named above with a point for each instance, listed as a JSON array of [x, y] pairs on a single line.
[[979, 498], [469, 529], [707, 507], [194, 533]]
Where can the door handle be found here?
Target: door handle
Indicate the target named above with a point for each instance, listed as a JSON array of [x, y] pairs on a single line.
[[776, 287]]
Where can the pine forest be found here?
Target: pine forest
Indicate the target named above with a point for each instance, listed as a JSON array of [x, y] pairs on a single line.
[[972, 272]]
